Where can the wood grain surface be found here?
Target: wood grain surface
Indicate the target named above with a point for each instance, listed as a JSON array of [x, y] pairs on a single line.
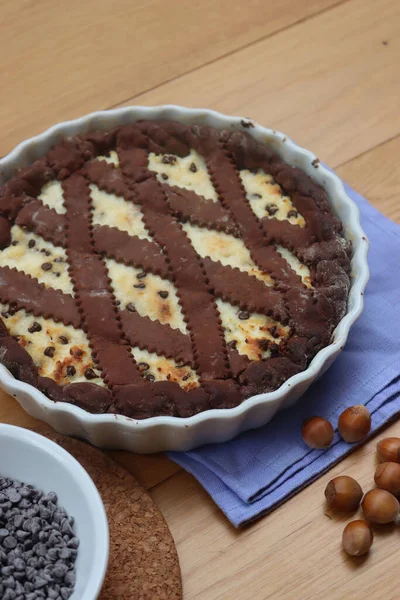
[[61, 60], [327, 74]]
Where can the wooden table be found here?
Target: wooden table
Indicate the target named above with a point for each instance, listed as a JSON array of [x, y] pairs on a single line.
[[326, 72]]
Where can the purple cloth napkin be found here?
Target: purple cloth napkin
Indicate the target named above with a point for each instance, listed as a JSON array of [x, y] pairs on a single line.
[[254, 473]]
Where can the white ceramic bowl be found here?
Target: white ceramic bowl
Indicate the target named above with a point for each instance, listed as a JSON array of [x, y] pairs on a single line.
[[32, 458], [171, 433]]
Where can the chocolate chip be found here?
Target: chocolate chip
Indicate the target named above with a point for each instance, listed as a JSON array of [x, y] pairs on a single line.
[[141, 275], [35, 327], [232, 344], [59, 259], [150, 378], [163, 294], [10, 542], [315, 163], [143, 366], [193, 168], [263, 344], [140, 286], [274, 349], [168, 159], [256, 195], [76, 352], [90, 374], [4, 314], [186, 377], [12, 309], [63, 339], [14, 243], [71, 370], [274, 332], [58, 274], [131, 307], [50, 351], [244, 315], [292, 213], [246, 124], [31, 243], [117, 302], [164, 176], [46, 266], [271, 209]]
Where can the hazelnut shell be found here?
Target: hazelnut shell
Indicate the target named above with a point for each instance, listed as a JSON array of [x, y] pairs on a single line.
[[388, 449], [354, 423], [357, 538], [380, 506], [343, 493], [317, 432], [387, 477]]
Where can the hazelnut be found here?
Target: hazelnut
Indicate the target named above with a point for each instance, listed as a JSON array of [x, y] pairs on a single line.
[[317, 432], [354, 423], [357, 538], [387, 477], [389, 449], [343, 493], [380, 506]]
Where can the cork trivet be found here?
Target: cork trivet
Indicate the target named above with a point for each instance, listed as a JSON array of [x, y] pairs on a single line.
[[143, 561]]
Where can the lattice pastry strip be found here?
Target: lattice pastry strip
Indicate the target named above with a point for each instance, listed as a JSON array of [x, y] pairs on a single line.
[[298, 267]]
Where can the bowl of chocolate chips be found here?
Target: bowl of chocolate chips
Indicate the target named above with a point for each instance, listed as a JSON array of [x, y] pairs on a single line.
[[54, 538]]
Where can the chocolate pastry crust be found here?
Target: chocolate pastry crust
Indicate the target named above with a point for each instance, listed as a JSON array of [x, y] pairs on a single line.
[[225, 377]]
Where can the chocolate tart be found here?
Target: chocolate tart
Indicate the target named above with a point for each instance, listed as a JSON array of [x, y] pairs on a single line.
[[166, 269]]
